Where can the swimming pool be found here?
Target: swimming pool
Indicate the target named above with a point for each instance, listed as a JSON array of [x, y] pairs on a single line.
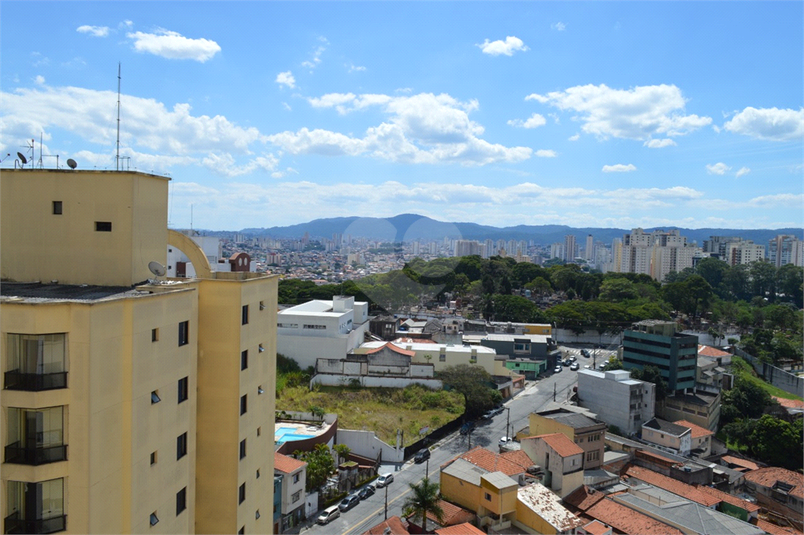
[[289, 434]]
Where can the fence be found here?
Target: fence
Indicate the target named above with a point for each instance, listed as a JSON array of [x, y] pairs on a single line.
[[779, 378], [435, 436]]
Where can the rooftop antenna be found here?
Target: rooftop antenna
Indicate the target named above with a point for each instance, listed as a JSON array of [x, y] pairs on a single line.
[[117, 158]]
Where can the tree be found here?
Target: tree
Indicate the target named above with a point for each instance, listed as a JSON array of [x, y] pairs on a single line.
[[319, 465], [790, 283], [343, 452], [777, 442], [617, 290], [712, 270], [473, 382], [763, 279], [424, 499], [651, 374]]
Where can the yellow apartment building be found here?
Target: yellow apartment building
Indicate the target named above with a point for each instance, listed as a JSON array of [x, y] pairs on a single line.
[[129, 405]]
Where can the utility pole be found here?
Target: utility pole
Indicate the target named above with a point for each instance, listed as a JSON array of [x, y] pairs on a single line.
[[507, 421], [386, 501], [427, 470], [554, 391]]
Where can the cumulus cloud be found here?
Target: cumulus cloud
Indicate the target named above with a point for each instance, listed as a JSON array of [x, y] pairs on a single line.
[[742, 171], [546, 153], [173, 45], [659, 143], [423, 128], [39, 80], [534, 121], [508, 47], [286, 78], [94, 31], [315, 60], [575, 137], [768, 123], [719, 168], [638, 113], [559, 26], [619, 168], [356, 68]]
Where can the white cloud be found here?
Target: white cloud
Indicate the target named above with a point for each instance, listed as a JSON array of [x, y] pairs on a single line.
[[287, 106], [659, 143], [719, 168], [791, 200], [742, 171], [768, 123], [356, 68], [546, 153], [638, 113], [286, 78], [619, 168], [575, 137], [94, 31], [315, 60], [559, 26], [172, 45], [533, 121], [127, 24], [507, 47], [423, 128], [225, 164], [39, 80]]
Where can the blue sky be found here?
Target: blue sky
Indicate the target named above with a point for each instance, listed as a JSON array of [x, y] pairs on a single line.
[[618, 114]]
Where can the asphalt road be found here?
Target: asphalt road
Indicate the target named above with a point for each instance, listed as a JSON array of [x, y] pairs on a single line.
[[487, 433]]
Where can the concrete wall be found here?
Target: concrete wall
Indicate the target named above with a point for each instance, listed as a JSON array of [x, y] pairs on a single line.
[[566, 336], [366, 444], [788, 382], [374, 381], [610, 400]]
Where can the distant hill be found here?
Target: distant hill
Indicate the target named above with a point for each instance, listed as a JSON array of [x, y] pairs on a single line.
[[412, 227]]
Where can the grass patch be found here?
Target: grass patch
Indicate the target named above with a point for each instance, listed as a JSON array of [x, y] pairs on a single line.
[[382, 410], [741, 368]]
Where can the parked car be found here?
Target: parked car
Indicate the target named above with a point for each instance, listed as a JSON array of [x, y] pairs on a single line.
[[367, 491], [328, 515], [467, 428], [585, 353], [349, 502], [488, 415], [573, 358], [505, 440], [421, 455], [567, 362], [557, 369], [385, 480], [574, 366], [499, 409]]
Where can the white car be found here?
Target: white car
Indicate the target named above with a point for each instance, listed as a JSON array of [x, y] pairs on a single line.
[[385, 479]]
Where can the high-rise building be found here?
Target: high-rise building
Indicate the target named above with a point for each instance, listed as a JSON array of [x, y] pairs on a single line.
[[570, 248], [656, 343], [786, 249], [589, 250], [655, 254], [130, 404]]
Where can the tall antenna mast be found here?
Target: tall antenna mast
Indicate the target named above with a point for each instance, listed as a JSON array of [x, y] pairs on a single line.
[[117, 158]]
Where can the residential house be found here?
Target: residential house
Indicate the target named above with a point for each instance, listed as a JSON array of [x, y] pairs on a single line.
[[586, 432], [392, 526], [294, 479], [539, 510], [701, 438], [779, 490], [561, 459], [675, 438]]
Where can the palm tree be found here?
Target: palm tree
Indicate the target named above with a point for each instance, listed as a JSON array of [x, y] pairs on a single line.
[[424, 500]]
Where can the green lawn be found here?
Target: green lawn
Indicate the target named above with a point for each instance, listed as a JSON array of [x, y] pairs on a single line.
[[741, 368], [382, 410]]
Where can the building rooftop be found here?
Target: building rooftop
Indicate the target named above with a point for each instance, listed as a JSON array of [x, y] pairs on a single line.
[[393, 348], [510, 463], [460, 529], [499, 480], [709, 351], [743, 464], [561, 444], [392, 526], [452, 514], [532, 338], [697, 430], [547, 505], [772, 475], [626, 520], [583, 497], [574, 420], [33, 292], [679, 488], [596, 527], [729, 498], [287, 465], [465, 471], [666, 427]]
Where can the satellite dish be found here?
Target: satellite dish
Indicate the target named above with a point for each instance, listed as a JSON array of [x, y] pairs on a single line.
[[22, 158], [71, 163], [157, 268]]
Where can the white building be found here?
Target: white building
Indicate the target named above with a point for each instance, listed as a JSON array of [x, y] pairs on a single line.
[[655, 254], [617, 399], [179, 265], [294, 478], [321, 329], [443, 355]]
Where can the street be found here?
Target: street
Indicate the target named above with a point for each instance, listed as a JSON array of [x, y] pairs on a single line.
[[487, 433]]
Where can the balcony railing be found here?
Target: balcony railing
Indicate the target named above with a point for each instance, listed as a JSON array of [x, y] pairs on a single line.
[[35, 456], [34, 382], [14, 524]]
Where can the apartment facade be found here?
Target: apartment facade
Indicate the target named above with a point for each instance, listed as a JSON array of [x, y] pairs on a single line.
[[656, 343], [617, 399], [589, 434], [106, 417]]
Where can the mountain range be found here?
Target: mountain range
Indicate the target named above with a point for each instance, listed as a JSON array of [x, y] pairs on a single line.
[[413, 227]]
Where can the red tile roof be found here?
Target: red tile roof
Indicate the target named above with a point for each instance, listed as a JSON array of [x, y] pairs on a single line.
[[393, 348], [395, 524], [697, 430], [596, 527], [671, 485], [452, 514], [495, 462], [743, 463], [627, 520], [583, 498], [286, 464], [561, 444], [460, 529], [773, 529], [790, 403], [767, 477], [709, 351], [728, 498]]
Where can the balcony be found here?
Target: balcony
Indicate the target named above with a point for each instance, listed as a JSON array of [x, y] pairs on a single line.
[[34, 382], [14, 524], [16, 454]]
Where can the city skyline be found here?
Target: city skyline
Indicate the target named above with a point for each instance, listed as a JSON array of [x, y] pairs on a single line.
[[265, 114]]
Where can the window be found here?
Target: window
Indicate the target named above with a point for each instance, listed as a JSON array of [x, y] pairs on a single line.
[[244, 319], [243, 404], [259, 431], [154, 335], [153, 457], [442, 357], [35, 436], [258, 473], [260, 390], [262, 305], [296, 496], [242, 531], [154, 519], [241, 494], [57, 208], [35, 504], [257, 514], [103, 226], [184, 333], [296, 478], [181, 446], [243, 360], [181, 501], [36, 362], [487, 496], [184, 389], [155, 397], [243, 448]]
